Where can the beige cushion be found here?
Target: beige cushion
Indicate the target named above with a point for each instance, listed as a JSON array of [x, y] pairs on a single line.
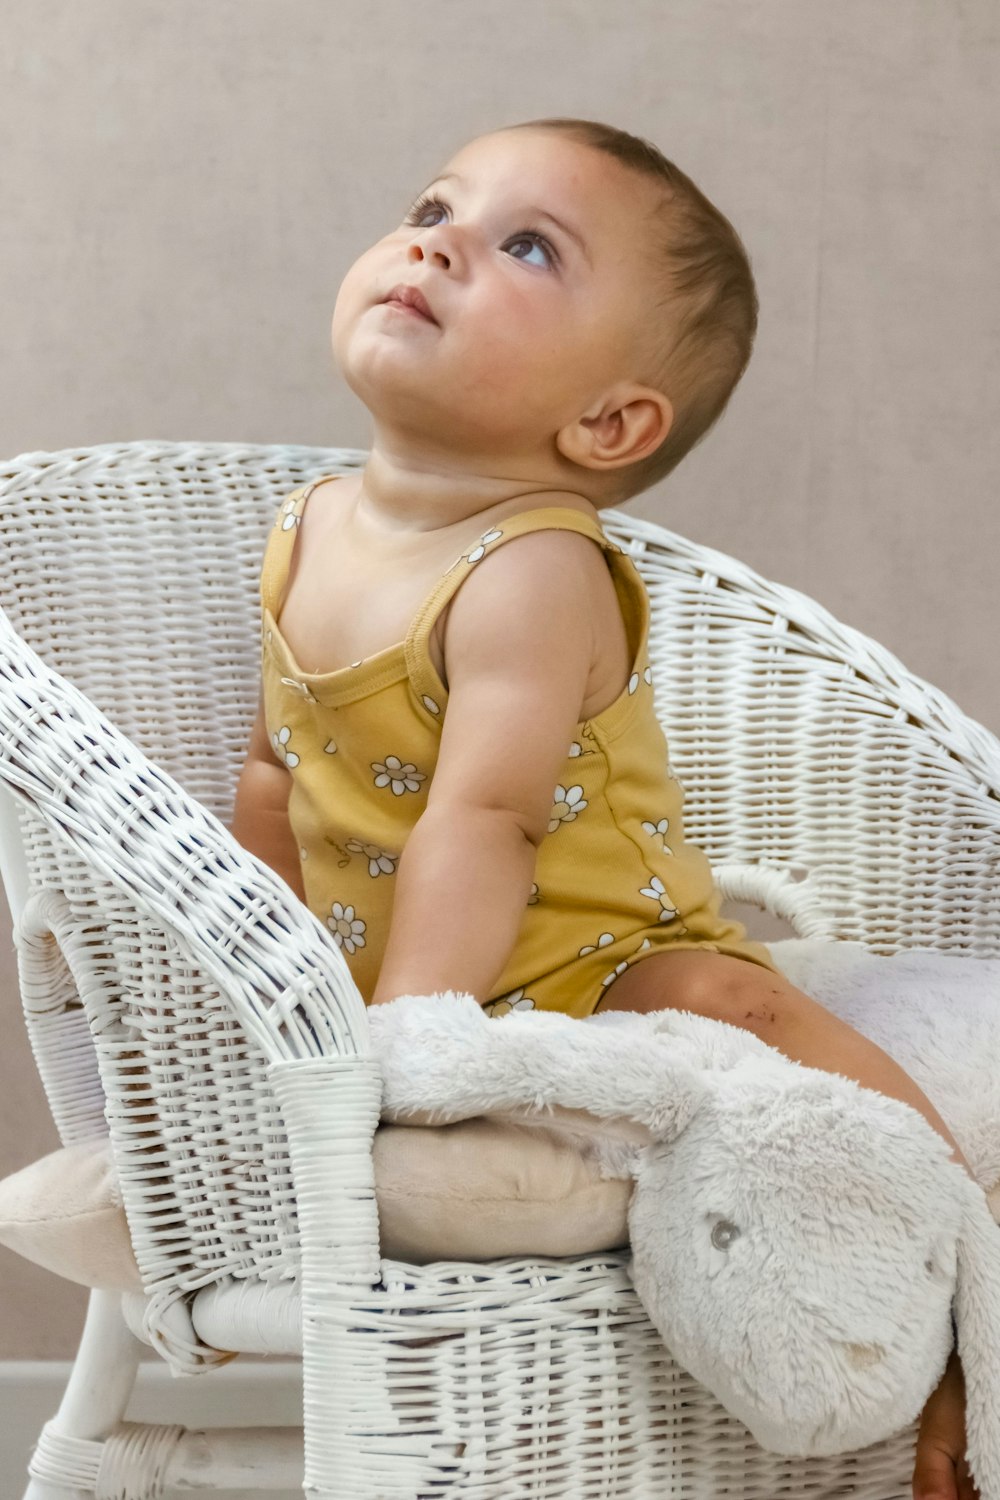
[[64, 1212], [474, 1190]]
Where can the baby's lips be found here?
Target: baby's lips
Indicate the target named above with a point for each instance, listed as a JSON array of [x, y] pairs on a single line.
[[411, 296]]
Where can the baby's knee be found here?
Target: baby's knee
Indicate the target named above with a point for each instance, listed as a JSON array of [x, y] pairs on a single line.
[[714, 985]]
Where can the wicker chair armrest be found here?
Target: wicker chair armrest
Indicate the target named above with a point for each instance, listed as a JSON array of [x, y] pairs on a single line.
[[286, 980]]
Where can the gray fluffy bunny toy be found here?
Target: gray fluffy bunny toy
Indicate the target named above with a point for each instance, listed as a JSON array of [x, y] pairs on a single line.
[[799, 1241]]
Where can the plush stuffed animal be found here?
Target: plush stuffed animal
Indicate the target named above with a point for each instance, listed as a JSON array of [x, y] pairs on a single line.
[[799, 1241]]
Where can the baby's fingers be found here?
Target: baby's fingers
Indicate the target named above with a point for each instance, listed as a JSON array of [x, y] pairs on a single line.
[[940, 1471], [938, 1476]]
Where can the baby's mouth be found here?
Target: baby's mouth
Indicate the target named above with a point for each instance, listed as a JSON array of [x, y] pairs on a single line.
[[411, 299], [404, 307]]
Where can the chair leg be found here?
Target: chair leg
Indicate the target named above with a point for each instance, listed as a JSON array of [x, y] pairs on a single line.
[[66, 1459]]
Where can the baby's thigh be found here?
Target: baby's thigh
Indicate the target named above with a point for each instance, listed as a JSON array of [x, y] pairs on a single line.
[[705, 983]]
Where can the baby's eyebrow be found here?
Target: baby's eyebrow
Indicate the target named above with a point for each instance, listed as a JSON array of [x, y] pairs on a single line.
[[542, 213]]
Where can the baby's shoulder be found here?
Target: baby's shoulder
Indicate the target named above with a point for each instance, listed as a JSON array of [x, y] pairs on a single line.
[[537, 564], [548, 589]]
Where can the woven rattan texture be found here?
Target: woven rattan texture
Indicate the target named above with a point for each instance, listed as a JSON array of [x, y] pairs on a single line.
[[163, 971]]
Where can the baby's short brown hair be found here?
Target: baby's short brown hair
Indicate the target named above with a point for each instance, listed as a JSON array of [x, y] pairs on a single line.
[[698, 347]]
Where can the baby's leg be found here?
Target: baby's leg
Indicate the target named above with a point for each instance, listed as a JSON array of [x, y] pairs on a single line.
[[749, 996]]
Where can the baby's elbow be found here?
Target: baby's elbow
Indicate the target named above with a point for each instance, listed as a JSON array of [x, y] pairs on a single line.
[[490, 821]]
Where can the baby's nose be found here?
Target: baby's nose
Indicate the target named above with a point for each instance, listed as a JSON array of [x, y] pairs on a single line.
[[416, 253]]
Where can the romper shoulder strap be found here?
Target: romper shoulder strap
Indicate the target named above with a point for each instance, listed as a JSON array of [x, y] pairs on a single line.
[[281, 543], [628, 583]]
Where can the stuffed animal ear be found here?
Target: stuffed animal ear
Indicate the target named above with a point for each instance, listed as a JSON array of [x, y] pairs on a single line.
[[977, 1317]]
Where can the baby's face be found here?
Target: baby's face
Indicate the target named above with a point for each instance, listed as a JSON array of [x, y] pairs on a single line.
[[534, 318]]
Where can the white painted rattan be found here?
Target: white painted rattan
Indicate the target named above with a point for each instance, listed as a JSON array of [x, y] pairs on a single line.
[[179, 996]]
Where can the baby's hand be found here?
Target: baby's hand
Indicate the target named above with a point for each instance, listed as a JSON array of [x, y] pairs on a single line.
[[941, 1471]]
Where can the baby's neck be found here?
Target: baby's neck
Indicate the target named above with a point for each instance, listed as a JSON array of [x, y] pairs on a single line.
[[393, 503]]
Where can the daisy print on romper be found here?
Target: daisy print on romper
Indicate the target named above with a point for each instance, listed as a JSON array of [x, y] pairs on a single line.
[[484, 541], [516, 1000], [576, 749], [379, 862], [402, 778], [602, 942], [569, 801], [620, 968], [279, 743], [348, 930], [288, 516], [655, 890], [659, 830]]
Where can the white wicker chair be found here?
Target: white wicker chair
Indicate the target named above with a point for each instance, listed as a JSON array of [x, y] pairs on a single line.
[[180, 998]]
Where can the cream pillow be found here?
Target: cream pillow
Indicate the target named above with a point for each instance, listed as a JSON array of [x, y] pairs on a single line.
[[65, 1213], [472, 1190]]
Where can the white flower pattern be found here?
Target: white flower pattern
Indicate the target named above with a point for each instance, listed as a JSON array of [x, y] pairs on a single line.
[[602, 942], [379, 862], [279, 743], [298, 687], [484, 541], [568, 803], [402, 778], [348, 930], [609, 979], [659, 830], [656, 891], [504, 1004]]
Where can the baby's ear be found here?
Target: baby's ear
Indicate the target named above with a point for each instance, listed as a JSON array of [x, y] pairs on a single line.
[[977, 1318]]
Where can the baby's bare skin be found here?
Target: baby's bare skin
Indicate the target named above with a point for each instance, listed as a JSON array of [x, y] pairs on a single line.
[[528, 387], [528, 383], [347, 598]]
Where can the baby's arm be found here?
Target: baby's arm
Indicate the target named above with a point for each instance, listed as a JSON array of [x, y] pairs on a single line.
[[518, 652], [260, 814]]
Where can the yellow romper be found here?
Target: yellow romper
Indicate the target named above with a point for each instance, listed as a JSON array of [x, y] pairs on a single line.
[[615, 879]]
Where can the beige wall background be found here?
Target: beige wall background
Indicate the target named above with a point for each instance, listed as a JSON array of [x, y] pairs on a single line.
[[185, 186]]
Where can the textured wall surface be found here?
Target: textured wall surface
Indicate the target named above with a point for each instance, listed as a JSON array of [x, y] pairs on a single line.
[[186, 185]]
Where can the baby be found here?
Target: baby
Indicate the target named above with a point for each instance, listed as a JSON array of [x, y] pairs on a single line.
[[456, 762]]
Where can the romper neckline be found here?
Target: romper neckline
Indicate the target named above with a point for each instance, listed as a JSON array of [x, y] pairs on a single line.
[[377, 660], [405, 658]]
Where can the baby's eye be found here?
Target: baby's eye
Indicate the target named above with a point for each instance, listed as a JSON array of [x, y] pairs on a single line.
[[422, 207], [538, 241], [425, 205]]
